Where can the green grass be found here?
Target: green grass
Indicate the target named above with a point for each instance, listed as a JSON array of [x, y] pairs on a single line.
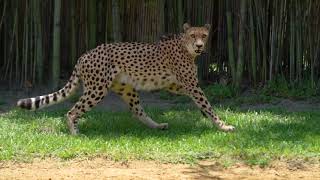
[[260, 137]]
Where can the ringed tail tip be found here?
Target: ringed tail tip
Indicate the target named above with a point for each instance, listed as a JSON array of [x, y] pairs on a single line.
[[25, 103]]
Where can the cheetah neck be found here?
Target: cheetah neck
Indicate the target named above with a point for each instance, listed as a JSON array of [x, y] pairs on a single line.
[[174, 48]]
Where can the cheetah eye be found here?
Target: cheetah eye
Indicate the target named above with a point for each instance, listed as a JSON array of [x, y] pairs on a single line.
[[193, 36], [204, 36]]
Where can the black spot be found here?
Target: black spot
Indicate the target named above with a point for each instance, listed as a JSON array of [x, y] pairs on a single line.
[[47, 99], [54, 97], [37, 102], [28, 104], [204, 114]]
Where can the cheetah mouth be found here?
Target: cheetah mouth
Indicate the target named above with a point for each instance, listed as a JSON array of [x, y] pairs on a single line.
[[198, 51]]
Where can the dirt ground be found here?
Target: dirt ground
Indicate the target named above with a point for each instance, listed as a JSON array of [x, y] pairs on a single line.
[[100, 168]]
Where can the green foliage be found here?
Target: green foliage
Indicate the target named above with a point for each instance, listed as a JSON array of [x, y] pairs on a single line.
[[165, 95], [280, 87], [215, 92], [260, 136], [219, 92], [273, 91], [254, 99], [74, 97], [2, 102]]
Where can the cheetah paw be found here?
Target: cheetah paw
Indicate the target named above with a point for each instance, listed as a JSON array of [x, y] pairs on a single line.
[[227, 128], [163, 126]]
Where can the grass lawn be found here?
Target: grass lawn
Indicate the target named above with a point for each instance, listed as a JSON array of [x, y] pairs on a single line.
[[260, 137]]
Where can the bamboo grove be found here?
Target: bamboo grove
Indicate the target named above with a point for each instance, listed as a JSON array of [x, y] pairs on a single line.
[[253, 42]]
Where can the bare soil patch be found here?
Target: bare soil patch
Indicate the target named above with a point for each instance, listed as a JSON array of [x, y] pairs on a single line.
[[100, 168]]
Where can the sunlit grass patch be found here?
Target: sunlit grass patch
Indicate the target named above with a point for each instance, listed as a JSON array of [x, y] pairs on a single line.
[[260, 137]]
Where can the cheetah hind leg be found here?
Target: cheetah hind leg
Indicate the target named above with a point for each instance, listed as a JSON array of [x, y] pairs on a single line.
[[131, 97], [84, 104]]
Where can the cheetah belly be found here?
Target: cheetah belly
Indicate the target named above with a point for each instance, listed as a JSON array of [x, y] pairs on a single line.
[[146, 84]]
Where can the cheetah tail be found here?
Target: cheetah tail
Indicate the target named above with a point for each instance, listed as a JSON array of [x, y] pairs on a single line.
[[39, 102]]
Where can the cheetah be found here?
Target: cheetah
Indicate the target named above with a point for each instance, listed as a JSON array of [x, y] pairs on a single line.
[[128, 67]]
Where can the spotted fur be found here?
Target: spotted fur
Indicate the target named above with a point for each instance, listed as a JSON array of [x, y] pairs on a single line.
[[126, 68]]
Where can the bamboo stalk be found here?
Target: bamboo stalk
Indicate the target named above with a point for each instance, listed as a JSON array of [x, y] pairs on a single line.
[[241, 43], [298, 42], [39, 45], [3, 13], [253, 47], [230, 43], [292, 45], [116, 21], [92, 16], [56, 45], [73, 33], [17, 55]]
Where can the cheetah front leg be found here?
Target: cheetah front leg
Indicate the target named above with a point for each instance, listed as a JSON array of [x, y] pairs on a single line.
[[177, 89], [131, 97], [201, 101]]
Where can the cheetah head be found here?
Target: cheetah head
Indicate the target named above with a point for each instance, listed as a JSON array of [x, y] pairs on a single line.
[[195, 38]]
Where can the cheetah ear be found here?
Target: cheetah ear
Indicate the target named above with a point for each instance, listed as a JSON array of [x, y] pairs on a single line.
[[186, 26], [207, 26]]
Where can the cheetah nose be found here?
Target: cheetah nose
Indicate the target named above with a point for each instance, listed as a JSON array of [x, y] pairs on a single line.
[[199, 46]]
